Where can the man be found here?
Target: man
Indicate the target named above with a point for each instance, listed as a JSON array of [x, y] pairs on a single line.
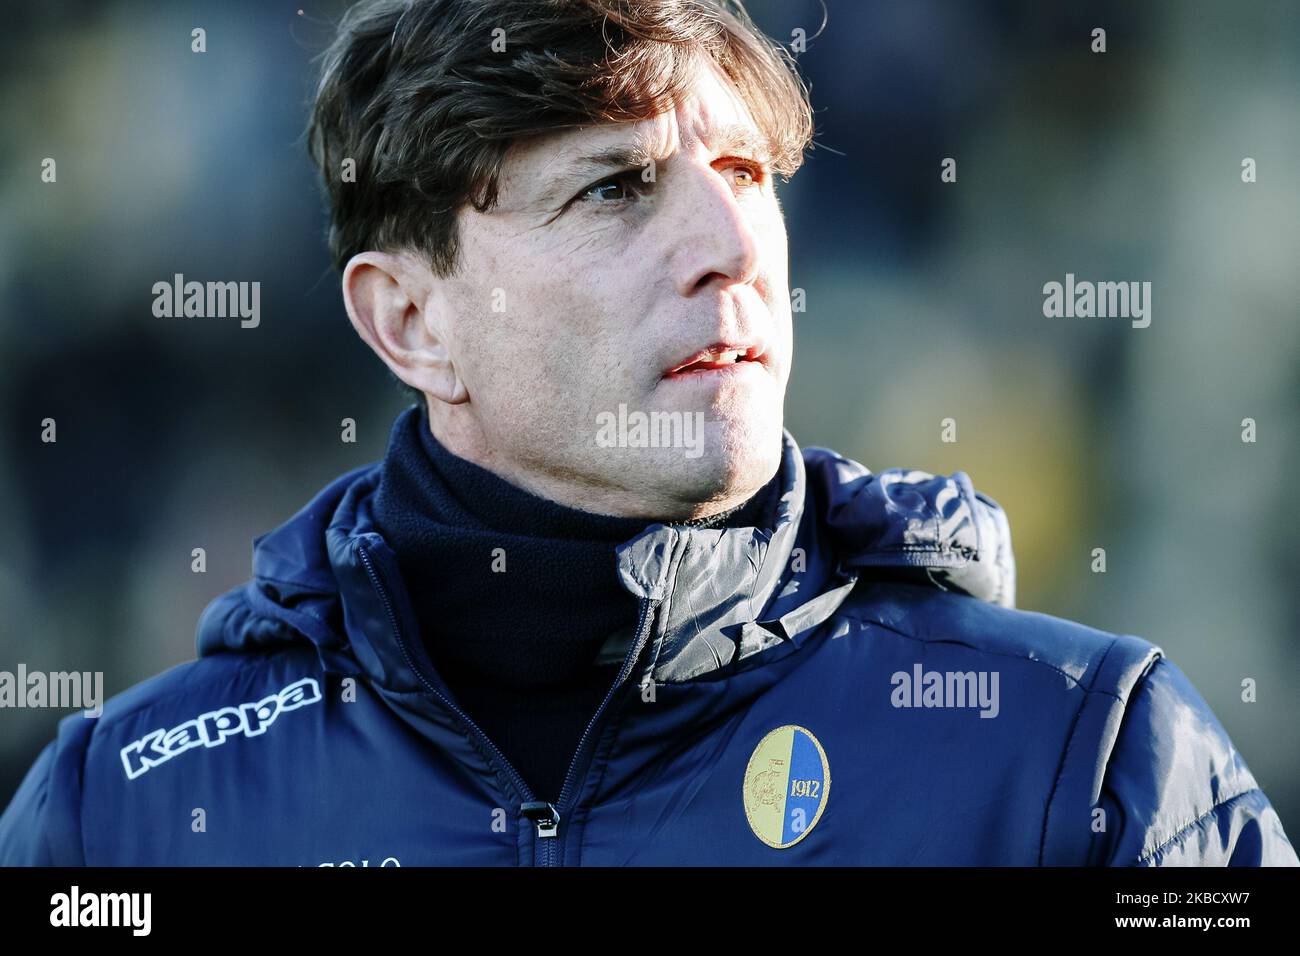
[[595, 606]]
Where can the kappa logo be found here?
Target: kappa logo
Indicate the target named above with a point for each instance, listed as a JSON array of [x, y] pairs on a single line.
[[786, 785], [216, 727]]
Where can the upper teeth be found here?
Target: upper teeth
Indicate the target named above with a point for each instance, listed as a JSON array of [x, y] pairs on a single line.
[[731, 355]]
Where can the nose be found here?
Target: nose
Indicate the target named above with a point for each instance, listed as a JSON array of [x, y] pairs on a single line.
[[715, 243]]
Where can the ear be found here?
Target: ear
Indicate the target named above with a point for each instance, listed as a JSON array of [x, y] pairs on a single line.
[[393, 304]]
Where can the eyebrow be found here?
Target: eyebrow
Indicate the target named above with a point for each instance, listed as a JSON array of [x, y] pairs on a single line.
[[734, 139]]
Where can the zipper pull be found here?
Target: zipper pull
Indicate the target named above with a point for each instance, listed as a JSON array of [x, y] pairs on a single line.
[[544, 815]]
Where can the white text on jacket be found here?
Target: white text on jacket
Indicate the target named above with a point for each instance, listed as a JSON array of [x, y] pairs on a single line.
[[215, 727]]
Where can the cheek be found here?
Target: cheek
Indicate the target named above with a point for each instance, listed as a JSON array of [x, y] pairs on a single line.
[[776, 291], [582, 321], [770, 235], [549, 357]]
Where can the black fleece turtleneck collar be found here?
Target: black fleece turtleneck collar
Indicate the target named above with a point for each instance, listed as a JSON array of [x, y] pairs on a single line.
[[514, 594]]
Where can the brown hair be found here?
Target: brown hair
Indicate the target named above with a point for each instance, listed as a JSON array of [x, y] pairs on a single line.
[[413, 92]]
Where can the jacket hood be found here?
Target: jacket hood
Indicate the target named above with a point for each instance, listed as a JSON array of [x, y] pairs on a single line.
[[723, 594]]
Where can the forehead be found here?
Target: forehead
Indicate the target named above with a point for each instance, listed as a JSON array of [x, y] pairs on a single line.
[[713, 118]]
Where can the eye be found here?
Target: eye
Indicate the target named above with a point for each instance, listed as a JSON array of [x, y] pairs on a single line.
[[614, 189], [623, 187], [749, 174]]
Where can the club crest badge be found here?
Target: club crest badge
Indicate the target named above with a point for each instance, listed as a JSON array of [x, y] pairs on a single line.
[[786, 785]]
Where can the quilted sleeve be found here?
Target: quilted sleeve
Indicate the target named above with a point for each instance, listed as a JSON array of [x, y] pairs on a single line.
[[42, 824], [1177, 793]]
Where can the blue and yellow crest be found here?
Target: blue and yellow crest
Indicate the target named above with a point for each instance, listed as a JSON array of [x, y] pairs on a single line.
[[786, 786]]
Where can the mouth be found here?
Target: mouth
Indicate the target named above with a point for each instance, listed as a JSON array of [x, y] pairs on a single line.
[[717, 357]]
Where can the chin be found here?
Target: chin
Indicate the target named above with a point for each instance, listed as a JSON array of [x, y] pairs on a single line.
[[738, 457], [682, 460]]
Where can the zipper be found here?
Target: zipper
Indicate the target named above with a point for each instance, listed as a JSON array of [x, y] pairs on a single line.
[[544, 816], [640, 635]]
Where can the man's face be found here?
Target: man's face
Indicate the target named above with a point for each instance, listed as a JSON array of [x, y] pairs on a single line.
[[606, 285]]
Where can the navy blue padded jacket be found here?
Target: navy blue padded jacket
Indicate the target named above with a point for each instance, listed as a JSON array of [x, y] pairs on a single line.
[[852, 686]]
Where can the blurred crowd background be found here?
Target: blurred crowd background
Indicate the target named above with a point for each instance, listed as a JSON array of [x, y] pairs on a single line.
[[924, 302]]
